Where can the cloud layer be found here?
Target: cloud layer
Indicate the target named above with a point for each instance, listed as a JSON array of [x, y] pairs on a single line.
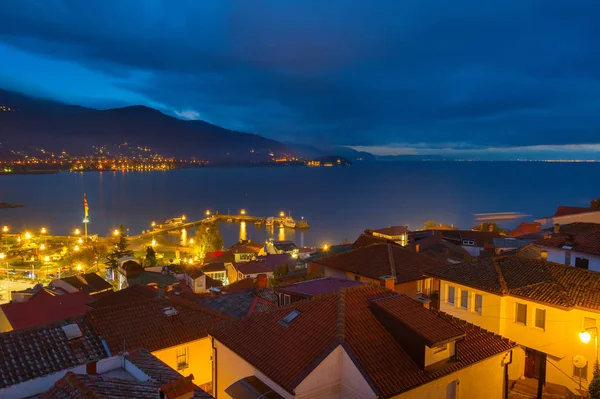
[[477, 73]]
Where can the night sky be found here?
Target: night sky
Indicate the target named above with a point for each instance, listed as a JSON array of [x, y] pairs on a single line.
[[391, 77]]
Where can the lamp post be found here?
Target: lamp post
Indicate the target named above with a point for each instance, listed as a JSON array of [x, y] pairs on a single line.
[[4, 231], [43, 232], [585, 337]]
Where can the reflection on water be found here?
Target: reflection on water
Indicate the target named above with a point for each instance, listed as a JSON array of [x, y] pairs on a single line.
[[243, 234], [183, 237], [281, 234]]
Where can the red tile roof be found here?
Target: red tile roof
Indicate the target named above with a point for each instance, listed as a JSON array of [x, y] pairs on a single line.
[[318, 286], [366, 239], [89, 282], [146, 323], [345, 318], [39, 351], [538, 280], [436, 247], [585, 242], [128, 295], [246, 247], [252, 267], [572, 210], [392, 231], [376, 261], [179, 387], [239, 285], [578, 228], [45, 308], [525, 228]]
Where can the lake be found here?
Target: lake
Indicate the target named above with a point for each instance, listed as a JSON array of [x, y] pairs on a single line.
[[338, 202]]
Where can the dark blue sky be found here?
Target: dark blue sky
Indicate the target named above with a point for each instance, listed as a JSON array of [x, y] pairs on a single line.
[[410, 76]]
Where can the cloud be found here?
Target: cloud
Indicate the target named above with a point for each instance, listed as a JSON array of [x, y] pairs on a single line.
[[482, 73]]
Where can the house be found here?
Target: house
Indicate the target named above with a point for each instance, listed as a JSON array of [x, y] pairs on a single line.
[[243, 284], [217, 271], [127, 295], [280, 247], [580, 250], [276, 262], [137, 375], [525, 229], [474, 242], [44, 351], [128, 268], [541, 305], [505, 244], [244, 302], [398, 234], [174, 330], [199, 282], [245, 250], [28, 293], [43, 308], [571, 214], [90, 283], [301, 290], [436, 247], [401, 268], [134, 375], [360, 342], [367, 238], [243, 270]]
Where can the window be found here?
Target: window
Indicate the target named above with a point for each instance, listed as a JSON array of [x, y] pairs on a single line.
[[286, 299], [441, 348], [521, 313], [419, 286], [291, 316], [580, 372], [464, 299], [468, 242], [182, 358], [357, 278], [478, 303], [451, 294], [540, 318], [582, 263]]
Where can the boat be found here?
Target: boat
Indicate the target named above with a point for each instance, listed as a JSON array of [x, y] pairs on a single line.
[[270, 221], [258, 222], [229, 220], [289, 222], [302, 224]]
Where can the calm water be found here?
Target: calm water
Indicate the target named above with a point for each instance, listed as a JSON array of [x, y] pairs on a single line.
[[337, 202]]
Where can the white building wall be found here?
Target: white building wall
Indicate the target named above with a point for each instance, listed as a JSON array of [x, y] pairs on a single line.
[[558, 255]]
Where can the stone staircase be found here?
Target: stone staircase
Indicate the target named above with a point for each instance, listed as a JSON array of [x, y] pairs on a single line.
[[527, 389]]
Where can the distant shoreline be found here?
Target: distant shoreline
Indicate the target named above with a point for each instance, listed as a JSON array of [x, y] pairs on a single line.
[[6, 205]]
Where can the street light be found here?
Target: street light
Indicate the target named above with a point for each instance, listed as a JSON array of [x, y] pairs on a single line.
[[207, 212], [243, 212], [43, 230], [77, 232], [27, 235], [76, 248], [116, 232], [5, 229], [281, 214], [183, 218], [191, 241], [46, 259], [153, 242], [42, 247], [586, 337], [153, 224], [78, 268], [80, 240]]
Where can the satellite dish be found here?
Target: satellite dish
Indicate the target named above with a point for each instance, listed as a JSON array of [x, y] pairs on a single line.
[[579, 361]]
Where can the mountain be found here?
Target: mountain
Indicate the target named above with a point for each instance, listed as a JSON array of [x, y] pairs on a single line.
[[311, 152], [36, 123]]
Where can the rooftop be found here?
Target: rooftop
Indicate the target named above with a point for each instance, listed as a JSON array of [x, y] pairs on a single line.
[[213, 267], [392, 231], [573, 210], [538, 280], [318, 286], [376, 261], [145, 278], [583, 242], [128, 295], [45, 309], [142, 324], [367, 238], [525, 228], [252, 267], [89, 282], [346, 318], [246, 247], [42, 350], [243, 303], [436, 247]]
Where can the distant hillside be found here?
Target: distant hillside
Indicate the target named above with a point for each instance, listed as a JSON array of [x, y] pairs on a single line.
[[311, 152], [56, 126]]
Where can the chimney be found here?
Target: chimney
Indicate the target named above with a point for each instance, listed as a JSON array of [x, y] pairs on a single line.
[[90, 367], [417, 248], [544, 255], [261, 281], [491, 228], [556, 228], [388, 282], [182, 388]]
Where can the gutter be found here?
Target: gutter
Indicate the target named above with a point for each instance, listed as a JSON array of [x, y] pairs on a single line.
[[506, 375], [214, 348]]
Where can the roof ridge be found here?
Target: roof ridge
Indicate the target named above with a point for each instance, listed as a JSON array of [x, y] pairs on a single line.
[[340, 324], [503, 287], [391, 259]]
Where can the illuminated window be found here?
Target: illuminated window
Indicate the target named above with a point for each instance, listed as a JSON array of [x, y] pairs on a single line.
[[478, 303], [182, 358], [540, 318], [464, 299]]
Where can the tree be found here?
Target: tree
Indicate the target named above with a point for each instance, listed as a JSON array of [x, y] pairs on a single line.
[[488, 226], [594, 387], [595, 203], [150, 257], [119, 251], [281, 271], [207, 239]]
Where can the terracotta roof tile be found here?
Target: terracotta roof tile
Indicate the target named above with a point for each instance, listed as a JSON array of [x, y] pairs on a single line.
[[375, 261], [392, 230], [149, 324], [45, 309], [252, 267], [243, 303], [89, 282], [128, 295], [436, 247], [367, 238], [39, 351], [345, 318], [246, 247], [525, 228], [584, 242], [317, 286], [538, 280], [572, 210]]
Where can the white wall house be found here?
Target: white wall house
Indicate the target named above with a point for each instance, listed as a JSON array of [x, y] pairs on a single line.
[[573, 258]]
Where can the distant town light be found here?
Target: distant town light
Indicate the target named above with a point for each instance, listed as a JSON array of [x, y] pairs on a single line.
[[76, 248], [80, 240], [116, 232], [153, 224], [47, 259], [2, 255], [281, 214], [243, 212], [42, 247], [77, 232], [183, 218], [5, 229], [207, 212], [325, 247], [191, 241], [43, 230], [153, 243], [27, 235]]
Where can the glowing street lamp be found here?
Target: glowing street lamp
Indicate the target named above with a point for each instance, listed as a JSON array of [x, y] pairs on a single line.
[[183, 218], [191, 241], [153, 243], [153, 224], [5, 229], [116, 232], [77, 232], [281, 214], [78, 268], [207, 212], [42, 247], [2, 255], [243, 212], [325, 247], [80, 240], [76, 248], [586, 337], [190, 261], [46, 259], [43, 230], [27, 235]]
